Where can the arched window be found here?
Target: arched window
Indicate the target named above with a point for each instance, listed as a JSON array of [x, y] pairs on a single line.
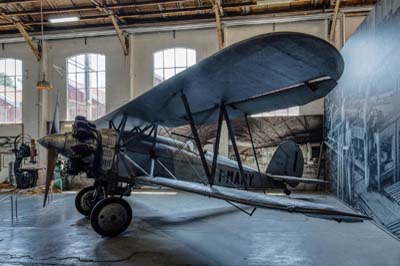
[[10, 90], [171, 61], [86, 86]]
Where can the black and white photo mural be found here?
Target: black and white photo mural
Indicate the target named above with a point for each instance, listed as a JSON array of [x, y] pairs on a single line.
[[363, 119]]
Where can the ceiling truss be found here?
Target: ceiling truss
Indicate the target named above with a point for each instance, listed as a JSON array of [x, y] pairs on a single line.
[[23, 16]]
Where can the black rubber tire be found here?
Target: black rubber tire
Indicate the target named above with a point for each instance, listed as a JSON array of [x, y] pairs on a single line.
[[111, 216], [80, 198], [287, 191]]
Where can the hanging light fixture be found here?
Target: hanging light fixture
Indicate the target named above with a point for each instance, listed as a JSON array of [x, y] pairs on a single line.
[[43, 84]]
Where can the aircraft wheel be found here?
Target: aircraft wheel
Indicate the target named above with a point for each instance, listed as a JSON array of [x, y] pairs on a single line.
[[287, 191], [111, 216], [84, 201]]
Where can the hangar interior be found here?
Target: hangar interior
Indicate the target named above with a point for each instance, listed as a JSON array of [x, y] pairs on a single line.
[[87, 58]]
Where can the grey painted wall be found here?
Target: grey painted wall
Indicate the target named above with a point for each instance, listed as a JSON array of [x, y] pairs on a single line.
[[129, 76]]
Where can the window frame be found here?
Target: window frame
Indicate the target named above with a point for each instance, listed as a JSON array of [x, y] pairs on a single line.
[[174, 67], [18, 118], [87, 73]]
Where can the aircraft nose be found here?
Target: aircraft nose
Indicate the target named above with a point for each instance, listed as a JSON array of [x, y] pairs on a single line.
[[56, 141]]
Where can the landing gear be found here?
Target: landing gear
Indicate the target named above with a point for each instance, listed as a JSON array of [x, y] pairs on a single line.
[[287, 191], [86, 199], [111, 216]]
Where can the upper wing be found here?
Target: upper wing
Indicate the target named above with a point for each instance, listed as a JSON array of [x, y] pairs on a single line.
[[255, 199], [264, 73]]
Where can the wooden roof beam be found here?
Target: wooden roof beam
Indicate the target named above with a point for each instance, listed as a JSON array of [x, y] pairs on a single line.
[[24, 34], [334, 21], [9, 2], [121, 37], [218, 11], [230, 10], [29, 41], [91, 8], [124, 41]]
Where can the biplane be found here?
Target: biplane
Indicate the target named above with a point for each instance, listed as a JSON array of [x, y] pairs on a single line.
[[123, 149]]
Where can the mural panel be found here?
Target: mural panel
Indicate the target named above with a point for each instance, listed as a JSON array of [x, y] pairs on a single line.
[[363, 119]]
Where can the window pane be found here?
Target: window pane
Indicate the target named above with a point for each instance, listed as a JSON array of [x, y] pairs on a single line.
[[101, 60], [2, 102], [180, 55], [101, 105], [168, 72], [86, 88], [93, 81], [92, 58], [282, 112], [174, 60], [10, 83], [191, 57], [71, 109], [71, 65], [293, 111], [18, 106], [2, 67], [11, 113], [158, 60], [180, 70], [10, 90], [158, 76], [80, 63], [169, 58], [101, 80], [80, 81], [18, 67], [10, 67]]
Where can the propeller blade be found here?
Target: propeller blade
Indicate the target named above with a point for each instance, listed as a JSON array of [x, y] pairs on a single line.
[[55, 126], [52, 155]]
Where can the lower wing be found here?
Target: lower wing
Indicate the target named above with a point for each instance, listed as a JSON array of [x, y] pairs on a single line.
[[257, 200], [286, 178]]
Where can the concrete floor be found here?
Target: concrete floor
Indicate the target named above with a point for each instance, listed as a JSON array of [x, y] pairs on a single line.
[[186, 229]]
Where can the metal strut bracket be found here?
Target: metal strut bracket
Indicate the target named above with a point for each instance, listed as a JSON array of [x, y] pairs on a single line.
[[241, 209]]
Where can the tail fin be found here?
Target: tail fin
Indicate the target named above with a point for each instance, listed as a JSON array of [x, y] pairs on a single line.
[[287, 160]]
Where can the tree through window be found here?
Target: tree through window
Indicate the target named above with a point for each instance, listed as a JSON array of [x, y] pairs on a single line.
[[86, 86]]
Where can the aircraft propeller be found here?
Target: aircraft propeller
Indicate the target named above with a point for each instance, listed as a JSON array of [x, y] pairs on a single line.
[[52, 152]]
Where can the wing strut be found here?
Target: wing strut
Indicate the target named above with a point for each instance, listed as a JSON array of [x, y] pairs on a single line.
[[223, 114], [197, 139], [254, 149], [233, 141], [216, 144]]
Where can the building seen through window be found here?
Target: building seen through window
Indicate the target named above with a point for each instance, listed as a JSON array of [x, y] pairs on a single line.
[[10, 90], [86, 86]]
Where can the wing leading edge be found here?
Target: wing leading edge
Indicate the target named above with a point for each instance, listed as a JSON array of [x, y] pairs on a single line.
[[256, 199], [260, 74]]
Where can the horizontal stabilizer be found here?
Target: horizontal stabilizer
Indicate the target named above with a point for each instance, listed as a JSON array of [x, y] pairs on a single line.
[[290, 179], [255, 199]]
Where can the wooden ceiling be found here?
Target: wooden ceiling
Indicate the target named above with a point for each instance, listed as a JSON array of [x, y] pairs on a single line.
[[100, 13]]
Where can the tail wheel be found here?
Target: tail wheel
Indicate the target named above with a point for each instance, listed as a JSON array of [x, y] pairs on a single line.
[[85, 200], [111, 216]]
